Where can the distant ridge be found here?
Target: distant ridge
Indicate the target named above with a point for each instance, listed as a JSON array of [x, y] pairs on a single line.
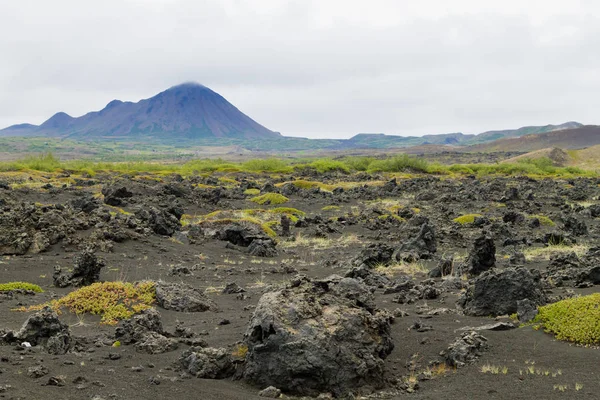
[[185, 111], [193, 114]]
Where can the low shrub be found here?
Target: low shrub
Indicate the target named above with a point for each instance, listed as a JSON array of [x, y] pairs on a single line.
[[575, 320], [7, 287], [114, 301]]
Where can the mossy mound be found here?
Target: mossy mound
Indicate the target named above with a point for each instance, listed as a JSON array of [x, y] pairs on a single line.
[[466, 219], [270, 198], [575, 320], [7, 287]]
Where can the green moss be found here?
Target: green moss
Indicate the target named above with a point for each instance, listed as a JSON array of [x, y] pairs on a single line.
[[574, 320], [466, 219], [251, 192], [270, 198], [7, 287], [391, 216], [330, 208], [543, 220]]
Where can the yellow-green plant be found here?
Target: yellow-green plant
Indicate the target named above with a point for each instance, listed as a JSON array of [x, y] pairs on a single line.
[[270, 198], [543, 220], [466, 219], [251, 192], [6, 287], [574, 320], [114, 301]]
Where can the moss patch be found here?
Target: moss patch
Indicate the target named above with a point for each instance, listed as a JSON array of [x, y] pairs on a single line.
[[574, 320], [7, 287], [270, 198], [466, 219]]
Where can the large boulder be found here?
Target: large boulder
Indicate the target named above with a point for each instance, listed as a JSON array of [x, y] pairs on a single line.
[[241, 235], [182, 297], [465, 349], [115, 195], [43, 328], [86, 271], [422, 246], [145, 331], [318, 336], [482, 256], [496, 293], [159, 220], [374, 255], [207, 362]]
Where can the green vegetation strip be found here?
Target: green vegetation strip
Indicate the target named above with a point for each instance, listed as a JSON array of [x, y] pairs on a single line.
[[47, 162]]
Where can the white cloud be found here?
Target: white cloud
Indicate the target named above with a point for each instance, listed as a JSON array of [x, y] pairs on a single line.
[[311, 68]]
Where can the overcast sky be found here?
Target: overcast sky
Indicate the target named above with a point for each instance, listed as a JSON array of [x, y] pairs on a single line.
[[322, 68]]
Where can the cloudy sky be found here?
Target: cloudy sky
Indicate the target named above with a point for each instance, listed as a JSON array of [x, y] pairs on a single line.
[[322, 68]]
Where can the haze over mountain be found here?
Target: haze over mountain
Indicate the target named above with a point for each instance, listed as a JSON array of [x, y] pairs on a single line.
[[186, 111]]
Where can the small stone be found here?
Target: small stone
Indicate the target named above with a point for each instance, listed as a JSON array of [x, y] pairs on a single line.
[[271, 392]]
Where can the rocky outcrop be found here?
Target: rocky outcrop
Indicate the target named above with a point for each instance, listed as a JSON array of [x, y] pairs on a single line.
[[496, 293], [317, 336]]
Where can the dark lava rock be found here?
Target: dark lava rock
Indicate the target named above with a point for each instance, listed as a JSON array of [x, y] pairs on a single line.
[[496, 293], [482, 256], [444, 268], [207, 363], [114, 196], [240, 235], [465, 349], [526, 310], [43, 328], [145, 331], [182, 297], [374, 255], [423, 244], [160, 221], [575, 226], [262, 248], [86, 271], [318, 336]]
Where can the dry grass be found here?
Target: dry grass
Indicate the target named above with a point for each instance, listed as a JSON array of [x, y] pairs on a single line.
[[402, 268], [544, 253], [320, 243]]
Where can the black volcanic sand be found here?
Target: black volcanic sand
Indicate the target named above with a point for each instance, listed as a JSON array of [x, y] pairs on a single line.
[[151, 256]]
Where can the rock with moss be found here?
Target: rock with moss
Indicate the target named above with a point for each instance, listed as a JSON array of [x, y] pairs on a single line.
[[318, 336]]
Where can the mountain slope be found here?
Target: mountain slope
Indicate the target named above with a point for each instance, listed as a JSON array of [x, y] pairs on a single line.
[[185, 111], [523, 131], [578, 138]]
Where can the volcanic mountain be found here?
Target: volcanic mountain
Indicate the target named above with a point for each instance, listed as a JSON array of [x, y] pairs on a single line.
[[187, 111]]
